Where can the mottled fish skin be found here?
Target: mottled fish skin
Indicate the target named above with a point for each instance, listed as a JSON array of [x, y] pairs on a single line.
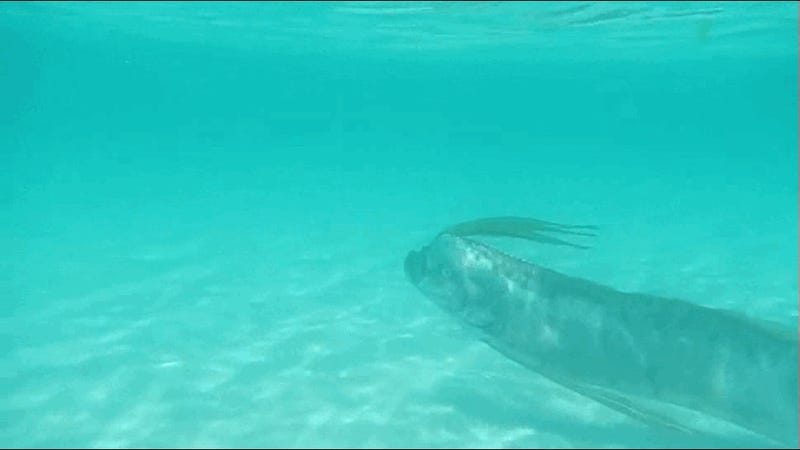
[[709, 360]]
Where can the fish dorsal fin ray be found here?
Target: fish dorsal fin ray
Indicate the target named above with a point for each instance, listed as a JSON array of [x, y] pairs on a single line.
[[520, 227]]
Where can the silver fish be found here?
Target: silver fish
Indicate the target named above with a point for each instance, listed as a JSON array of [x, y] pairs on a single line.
[[634, 353]]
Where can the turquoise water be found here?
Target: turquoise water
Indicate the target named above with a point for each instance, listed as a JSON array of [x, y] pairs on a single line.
[[206, 207]]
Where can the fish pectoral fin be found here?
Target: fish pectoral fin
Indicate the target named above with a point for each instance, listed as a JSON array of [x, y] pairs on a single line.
[[634, 408]]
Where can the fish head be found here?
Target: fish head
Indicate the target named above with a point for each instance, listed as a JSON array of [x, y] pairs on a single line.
[[452, 273]]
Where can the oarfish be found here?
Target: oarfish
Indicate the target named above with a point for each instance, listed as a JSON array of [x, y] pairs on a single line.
[[632, 352]]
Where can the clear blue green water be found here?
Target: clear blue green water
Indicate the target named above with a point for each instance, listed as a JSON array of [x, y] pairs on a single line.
[[206, 207]]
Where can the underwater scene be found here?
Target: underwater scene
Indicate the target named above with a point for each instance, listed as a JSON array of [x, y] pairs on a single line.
[[399, 224]]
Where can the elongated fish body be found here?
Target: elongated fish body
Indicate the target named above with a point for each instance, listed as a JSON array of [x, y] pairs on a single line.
[[626, 348]]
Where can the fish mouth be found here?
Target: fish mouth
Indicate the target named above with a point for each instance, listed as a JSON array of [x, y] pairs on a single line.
[[414, 266]]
